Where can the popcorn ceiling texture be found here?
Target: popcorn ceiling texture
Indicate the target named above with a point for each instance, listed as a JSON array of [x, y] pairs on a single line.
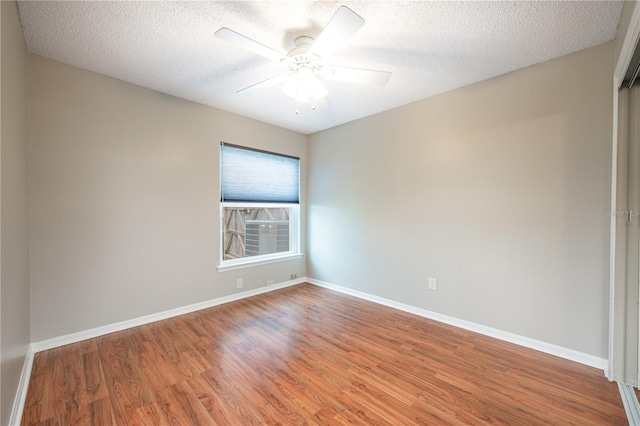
[[430, 47]]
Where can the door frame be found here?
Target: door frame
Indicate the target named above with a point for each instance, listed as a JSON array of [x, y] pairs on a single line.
[[628, 48]]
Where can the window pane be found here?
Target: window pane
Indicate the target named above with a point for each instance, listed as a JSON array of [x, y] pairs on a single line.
[[255, 231]]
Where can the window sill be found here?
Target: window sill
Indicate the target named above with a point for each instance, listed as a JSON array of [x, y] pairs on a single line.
[[258, 262]]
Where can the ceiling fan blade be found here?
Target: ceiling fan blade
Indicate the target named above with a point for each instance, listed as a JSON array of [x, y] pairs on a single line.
[[249, 44], [265, 84], [344, 24], [356, 75]]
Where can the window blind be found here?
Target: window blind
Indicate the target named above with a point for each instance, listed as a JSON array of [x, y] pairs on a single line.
[[248, 175]]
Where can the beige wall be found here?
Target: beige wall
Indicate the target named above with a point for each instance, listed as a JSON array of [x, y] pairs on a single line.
[[498, 190], [124, 200], [14, 228]]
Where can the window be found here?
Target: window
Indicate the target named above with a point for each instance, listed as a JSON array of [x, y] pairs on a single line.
[[259, 202]]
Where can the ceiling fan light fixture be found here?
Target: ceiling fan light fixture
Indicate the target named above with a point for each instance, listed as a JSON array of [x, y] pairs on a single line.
[[305, 87]]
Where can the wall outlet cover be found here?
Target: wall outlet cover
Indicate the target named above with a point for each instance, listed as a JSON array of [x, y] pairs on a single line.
[[433, 284]]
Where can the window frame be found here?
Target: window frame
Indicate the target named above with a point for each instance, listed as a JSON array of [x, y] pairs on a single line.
[[294, 251], [245, 262]]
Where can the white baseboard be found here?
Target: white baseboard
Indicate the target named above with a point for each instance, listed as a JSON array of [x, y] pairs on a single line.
[[570, 354], [123, 325], [21, 393]]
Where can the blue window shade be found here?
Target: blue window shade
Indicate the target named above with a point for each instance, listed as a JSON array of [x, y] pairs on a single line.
[[247, 175]]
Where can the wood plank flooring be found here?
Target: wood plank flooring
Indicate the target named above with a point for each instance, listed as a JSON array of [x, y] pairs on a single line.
[[307, 355]]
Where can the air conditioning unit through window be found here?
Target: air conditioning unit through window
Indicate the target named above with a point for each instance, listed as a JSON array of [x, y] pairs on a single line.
[[266, 237]]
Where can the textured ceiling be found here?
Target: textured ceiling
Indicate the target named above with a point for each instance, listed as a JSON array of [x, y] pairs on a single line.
[[430, 47]]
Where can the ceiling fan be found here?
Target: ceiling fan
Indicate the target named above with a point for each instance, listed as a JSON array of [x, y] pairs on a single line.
[[308, 60]]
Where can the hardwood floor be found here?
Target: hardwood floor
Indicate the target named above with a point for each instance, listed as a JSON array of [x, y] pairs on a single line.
[[307, 355]]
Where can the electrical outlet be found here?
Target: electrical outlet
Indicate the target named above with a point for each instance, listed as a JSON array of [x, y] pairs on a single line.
[[269, 283], [433, 284], [294, 276], [239, 283]]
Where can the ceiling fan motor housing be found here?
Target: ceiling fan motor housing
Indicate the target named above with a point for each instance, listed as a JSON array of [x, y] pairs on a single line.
[[299, 58]]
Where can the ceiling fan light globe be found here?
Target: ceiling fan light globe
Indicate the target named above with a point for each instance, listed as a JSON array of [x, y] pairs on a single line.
[[307, 89]]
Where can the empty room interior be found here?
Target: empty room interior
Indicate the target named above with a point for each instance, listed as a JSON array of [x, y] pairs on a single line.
[[319, 212]]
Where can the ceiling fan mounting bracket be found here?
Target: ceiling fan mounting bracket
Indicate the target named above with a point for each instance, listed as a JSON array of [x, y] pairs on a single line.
[[303, 41]]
